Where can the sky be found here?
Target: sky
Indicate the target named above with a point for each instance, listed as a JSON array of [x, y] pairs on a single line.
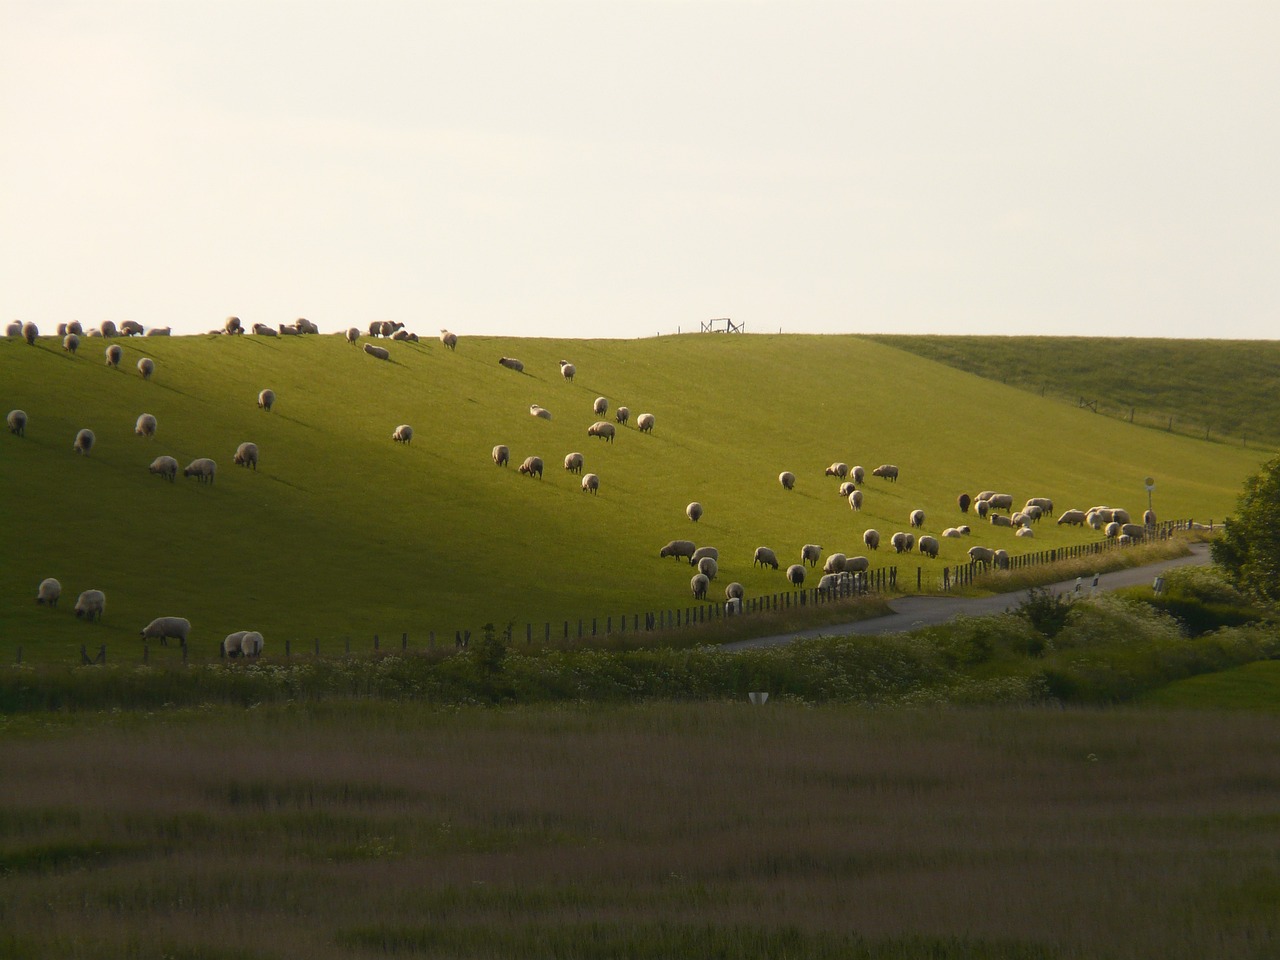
[[621, 169]]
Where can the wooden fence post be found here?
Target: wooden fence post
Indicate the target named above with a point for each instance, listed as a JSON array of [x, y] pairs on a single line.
[[404, 641], [375, 641]]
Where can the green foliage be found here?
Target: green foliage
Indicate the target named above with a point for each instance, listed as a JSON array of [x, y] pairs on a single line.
[[1046, 610], [1249, 549]]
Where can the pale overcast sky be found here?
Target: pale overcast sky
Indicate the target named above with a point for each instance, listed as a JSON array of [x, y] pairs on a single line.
[[619, 169]]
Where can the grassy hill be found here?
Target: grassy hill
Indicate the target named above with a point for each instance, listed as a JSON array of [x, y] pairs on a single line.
[[342, 532], [1222, 388]]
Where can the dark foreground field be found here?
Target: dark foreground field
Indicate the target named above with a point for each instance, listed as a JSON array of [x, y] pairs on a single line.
[[653, 831]]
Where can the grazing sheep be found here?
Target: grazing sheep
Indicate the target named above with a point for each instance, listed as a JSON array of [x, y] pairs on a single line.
[[17, 421], [701, 552], [1074, 518], [501, 455], [380, 353], [963, 502], [1124, 540], [795, 574], [910, 541], [985, 495], [93, 332], [603, 430], [573, 462], [1134, 531], [146, 367], [71, 343], [202, 468], [765, 556], [91, 605], [600, 406], [1001, 559], [1148, 518], [840, 470], [162, 628], [847, 487], [232, 325], [14, 329], [857, 564], [699, 584], [928, 546], [159, 331], [832, 582], [402, 433], [450, 340], [645, 422], [568, 370], [1024, 532], [511, 364], [735, 591], [266, 400], [1000, 520], [1044, 503], [917, 518], [62, 329], [787, 479], [131, 328], [683, 549], [952, 533], [1000, 501], [402, 336], [83, 442], [48, 592], [247, 454], [1020, 519], [29, 333], [542, 413], [982, 555], [262, 330], [1112, 530], [353, 335], [251, 644], [1120, 516], [899, 542], [531, 466], [165, 467], [1033, 513], [303, 325], [855, 500], [592, 483], [886, 470], [871, 539], [982, 507], [834, 563], [858, 475], [114, 353], [231, 643], [810, 553], [694, 511], [622, 415], [708, 567], [145, 425], [108, 328]]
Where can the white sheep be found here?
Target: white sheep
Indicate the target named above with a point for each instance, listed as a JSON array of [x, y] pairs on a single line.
[[1044, 503], [832, 582], [1148, 518], [83, 442], [353, 335], [899, 542], [568, 370], [795, 574], [402, 434], [858, 475], [29, 332], [811, 553], [113, 354], [855, 500], [835, 563], [952, 533], [733, 605], [146, 367], [266, 400], [681, 549], [1024, 532], [108, 328], [603, 430], [17, 422], [501, 455], [71, 343], [231, 643], [531, 466], [90, 605], [983, 555], [929, 546], [1001, 559], [735, 591], [787, 479], [232, 325], [1073, 518], [262, 330], [573, 462], [964, 529], [14, 329], [590, 482], [1120, 516], [162, 628], [1000, 501], [202, 468], [511, 364], [380, 353], [622, 415], [157, 331], [600, 406], [304, 325], [917, 518], [871, 539], [1000, 520], [857, 565], [145, 425], [886, 470], [48, 592], [708, 567], [542, 413], [645, 422], [699, 583], [1134, 531], [246, 455], [450, 340], [847, 487], [165, 467], [128, 328], [701, 552], [251, 644], [840, 470], [765, 557], [694, 511], [1020, 519]]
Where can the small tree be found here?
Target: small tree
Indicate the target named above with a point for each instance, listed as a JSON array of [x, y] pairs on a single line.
[[1249, 549]]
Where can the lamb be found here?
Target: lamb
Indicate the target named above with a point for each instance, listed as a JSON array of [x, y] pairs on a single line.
[[928, 546], [114, 353], [835, 563], [567, 370], [855, 500], [165, 467], [1024, 532], [379, 353], [71, 343], [735, 591], [232, 325], [542, 413], [573, 462], [963, 502], [450, 340], [402, 433], [701, 552], [591, 483], [48, 592], [840, 470], [531, 466], [787, 479], [131, 328], [1044, 503], [202, 468], [886, 470], [683, 549], [262, 330], [247, 454], [917, 518], [983, 555], [857, 565], [29, 333], [1074, 518], [90, 605], [694, 511], [765, 556], [871, 539], [251, 644], [511, 364], [157, 331], [603, 430], [146, 367], [622, 415], [14, 329], [699, 584], [83, 442], [899, 542], [795, 574], [600, 406], [162, 628], [810, 553], [17, 421], [645, 422], [353, 335], [266, 400], [231, 643], [1148, 518], [708, 567], [108, 328], [145, 425], [501, 455], [858, 475]]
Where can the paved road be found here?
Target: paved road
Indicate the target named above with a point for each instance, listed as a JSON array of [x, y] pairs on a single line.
[[911, 612]]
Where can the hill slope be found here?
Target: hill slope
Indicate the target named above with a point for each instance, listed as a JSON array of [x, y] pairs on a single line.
[[343, 532]]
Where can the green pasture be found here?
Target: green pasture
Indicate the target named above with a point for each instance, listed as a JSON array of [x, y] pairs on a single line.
[[343, 533]]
